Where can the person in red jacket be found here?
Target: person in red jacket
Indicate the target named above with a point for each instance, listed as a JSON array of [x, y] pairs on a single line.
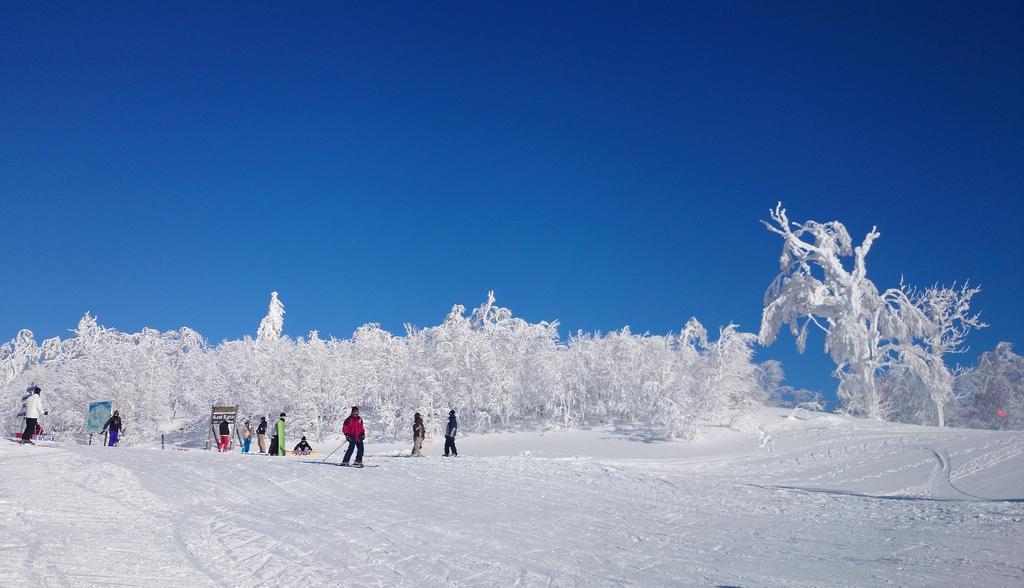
[[355, 433]]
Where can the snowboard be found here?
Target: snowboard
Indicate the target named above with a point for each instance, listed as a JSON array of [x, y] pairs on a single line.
[[347, 465]]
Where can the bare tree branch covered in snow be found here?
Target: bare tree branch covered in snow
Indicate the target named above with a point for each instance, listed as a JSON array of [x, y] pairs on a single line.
[[490, 366], [923, 383], [865, 331]]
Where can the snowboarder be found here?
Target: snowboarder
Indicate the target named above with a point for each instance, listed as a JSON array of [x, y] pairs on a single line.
[[261, 434], [246, 436], [225, 435], [449, 435], [114, 427], [419, 432], [355, 433], [303, 448], [279, 429], [33, 410]]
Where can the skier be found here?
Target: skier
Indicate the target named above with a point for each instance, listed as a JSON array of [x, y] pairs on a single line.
[[225, 435], [419, 432], [115, 427], [449, 434], [33, 410], [261, 434], [279, 429], [355, 433], [246, 436], [303, 448]]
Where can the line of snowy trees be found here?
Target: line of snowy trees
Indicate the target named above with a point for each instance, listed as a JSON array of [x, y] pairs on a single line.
[[889, 346], [493, 368], [890, 349]]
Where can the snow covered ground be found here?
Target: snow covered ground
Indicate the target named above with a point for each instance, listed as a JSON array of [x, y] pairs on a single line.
[[823, 500]]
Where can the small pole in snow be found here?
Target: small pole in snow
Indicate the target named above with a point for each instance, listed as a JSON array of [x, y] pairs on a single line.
[[90, 438], [161, 441]]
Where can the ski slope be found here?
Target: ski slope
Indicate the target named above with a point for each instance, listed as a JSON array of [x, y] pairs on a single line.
[[819, 500]]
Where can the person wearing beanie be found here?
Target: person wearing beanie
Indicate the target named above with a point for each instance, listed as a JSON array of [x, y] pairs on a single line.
[[419, 432], [449, 435], [33, 410], [303, 448], [261, 434], [279, 429], [355, 434]]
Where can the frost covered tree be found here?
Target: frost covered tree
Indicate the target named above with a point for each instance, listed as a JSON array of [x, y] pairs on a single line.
[[272, 325], [923, 383], [17, 355], [866, 331], [991, 395], [949, 310], [493, 368], [770, 377]]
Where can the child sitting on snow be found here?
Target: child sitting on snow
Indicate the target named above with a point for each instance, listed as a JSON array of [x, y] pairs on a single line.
[[303, 448]]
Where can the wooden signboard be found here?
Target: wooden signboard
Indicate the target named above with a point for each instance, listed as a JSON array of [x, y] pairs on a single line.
[[218, 414]]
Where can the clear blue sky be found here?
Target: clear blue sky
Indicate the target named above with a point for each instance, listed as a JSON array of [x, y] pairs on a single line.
[[169, 164]]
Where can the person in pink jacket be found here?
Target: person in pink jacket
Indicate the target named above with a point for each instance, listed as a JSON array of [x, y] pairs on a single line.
[[354, 433]]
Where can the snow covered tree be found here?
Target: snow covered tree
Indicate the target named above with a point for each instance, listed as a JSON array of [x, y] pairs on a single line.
[[272, 325], [991, 395], [925, 384], [865, 331], [490, 366], [17, 356], [770, 377]]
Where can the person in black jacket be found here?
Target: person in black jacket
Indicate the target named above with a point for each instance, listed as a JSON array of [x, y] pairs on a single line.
[[225, 435], [261, 434], [303, 448], [114, 426], [449, 435]]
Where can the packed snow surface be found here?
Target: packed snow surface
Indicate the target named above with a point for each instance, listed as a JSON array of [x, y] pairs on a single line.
[[773, 501]]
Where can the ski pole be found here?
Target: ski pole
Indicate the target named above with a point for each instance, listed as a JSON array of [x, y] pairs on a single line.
[[335, 450]]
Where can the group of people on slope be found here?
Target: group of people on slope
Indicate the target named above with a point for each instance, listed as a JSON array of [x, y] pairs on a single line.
[[419, 433], [352, 428], [355, 434], [34, 409], [277, 440]]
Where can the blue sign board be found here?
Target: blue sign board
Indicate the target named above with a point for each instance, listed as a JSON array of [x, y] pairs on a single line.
[[99, 412]]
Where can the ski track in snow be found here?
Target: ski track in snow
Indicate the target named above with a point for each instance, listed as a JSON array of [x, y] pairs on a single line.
[[836, 502]]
